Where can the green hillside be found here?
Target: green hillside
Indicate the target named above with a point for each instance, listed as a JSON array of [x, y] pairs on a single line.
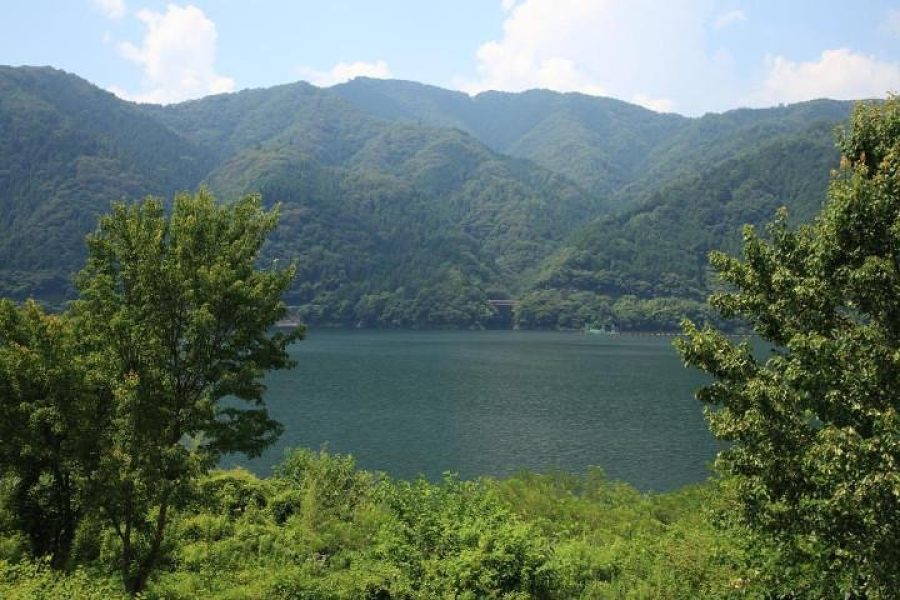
[[390, 223], [409, 205], [67, 149], [614, 150], [599, 143], [418, 227], [647, 268], [713, 138]]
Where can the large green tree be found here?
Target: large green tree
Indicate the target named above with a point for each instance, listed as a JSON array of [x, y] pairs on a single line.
[[178, 316], [813, 423]]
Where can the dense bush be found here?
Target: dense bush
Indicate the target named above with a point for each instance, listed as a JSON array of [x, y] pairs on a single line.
[[320, 528]]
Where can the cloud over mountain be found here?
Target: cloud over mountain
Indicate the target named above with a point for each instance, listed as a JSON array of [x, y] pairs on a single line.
[[840, 74], [344, 71], [177, 57]]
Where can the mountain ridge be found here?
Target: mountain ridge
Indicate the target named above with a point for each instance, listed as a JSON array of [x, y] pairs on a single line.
[[406, 204]]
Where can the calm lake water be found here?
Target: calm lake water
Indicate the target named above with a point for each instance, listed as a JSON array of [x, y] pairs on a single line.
[[494, 402]]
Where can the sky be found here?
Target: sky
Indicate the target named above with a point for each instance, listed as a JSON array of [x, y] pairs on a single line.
[[684, 56]]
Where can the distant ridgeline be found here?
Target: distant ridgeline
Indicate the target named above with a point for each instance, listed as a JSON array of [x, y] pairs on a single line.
[[406, 205]]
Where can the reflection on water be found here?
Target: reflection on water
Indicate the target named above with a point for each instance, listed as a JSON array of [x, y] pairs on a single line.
[[492, 403]]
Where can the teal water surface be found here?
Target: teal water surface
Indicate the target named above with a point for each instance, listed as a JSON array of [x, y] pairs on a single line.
[[493, 403]]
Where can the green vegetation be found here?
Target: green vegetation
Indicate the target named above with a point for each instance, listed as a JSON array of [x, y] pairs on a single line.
[[615, 151], [406, 205], [112, 409], [47, 427], [113, 413], [320, 528], [67, 151], [647, 268], [814, 427], [598, 143], [391, 224]]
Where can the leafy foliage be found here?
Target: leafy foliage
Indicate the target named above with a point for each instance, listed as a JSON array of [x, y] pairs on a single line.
[[816, 438], [175, 315], [48, 423], [110, 411], [35, 581], [320, 528]]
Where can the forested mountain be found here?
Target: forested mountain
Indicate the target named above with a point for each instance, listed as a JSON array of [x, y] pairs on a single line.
[[409, 205], [391, 223], [705, 142], [599, 143], [614, 150], [648, 267], [67, 149]]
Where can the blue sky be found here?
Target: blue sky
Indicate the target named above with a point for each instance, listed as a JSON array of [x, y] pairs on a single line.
[[686, 56]]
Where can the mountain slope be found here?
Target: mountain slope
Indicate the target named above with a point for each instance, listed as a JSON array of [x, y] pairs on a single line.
[[394, 223], [596, 142], [428, 217], [616, 152], [660, 249], [714, 138], [405, 204], [67, 149]]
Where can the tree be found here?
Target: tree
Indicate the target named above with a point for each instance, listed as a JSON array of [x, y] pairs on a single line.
[[813, 425], [178, 317], [48, 419]]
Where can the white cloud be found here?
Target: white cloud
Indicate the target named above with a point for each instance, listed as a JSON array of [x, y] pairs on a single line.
[[507, 4], [840, 74], [729, 18], [112, 9], [342, 72], [177, 56], [662, 105], [655, 51]]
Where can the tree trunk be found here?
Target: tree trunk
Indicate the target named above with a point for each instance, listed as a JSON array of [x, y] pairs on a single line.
[[136, 570]]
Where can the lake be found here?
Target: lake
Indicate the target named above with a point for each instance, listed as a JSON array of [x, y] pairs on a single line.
[[493, 403]]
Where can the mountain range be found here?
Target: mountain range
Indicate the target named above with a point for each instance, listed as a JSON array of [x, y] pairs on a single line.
[[409, 205]]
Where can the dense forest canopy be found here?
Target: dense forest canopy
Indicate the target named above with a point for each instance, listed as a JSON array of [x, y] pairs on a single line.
[[410, 205]]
